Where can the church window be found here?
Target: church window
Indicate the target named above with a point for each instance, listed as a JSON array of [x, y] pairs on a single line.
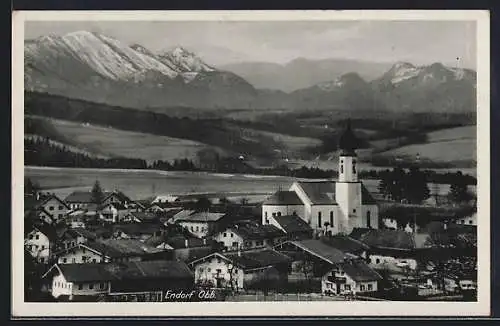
[[354, 210], [319, 219], [368, 216], [331, 219], [265, 215], [353, 166], [341, 167]]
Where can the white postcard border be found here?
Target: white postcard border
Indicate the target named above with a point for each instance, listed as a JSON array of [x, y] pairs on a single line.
[[285, 309]]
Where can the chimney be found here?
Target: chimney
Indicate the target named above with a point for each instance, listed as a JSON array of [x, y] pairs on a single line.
[[186, 243]]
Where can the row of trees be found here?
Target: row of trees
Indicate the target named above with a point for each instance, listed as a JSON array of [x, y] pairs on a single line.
[[412, 186]]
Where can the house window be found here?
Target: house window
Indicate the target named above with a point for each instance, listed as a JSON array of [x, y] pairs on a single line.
[[370, 287], [218, 271], [331, 219], [368, 216], [102, 285], [470, 222], [208, 270], [347, 287], [31, 236], [51, 208], [265, 215], [235, 244], [362, 287], [94, 260], [91, 286], [197, 229], [80, 286], [225, 234], [64, 260], [377, 261], [37, 237], [60, 207], [42, 260], [319, 219], [59, 215], [231, 235], [43, 247], [73, 260], [354, 210]]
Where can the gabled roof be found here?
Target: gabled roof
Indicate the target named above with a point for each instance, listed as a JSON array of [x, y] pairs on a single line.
[[117, 205], [359, 271], [138, 228], [120, 195], [79, 197], [366, 196], [292, 224], [178, 242], [123, 247], [80, 273], [92, 272], [52, 196], [346, 244], [319, 192], [31, 202], [252, 259], [144, 216], [250, 230], [258, 258], [75, 232], [202, 217], [323, 251], [154, 269], [48, 230], [283, 198], [392, 239], [183, 214]]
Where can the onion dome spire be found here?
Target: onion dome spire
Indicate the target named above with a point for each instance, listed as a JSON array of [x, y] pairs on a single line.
[[348, 142]]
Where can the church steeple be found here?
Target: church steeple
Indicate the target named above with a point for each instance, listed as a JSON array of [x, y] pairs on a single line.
[[348, 142]]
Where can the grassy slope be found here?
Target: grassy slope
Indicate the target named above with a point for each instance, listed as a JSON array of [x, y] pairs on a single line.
[[119, 143], [447, 145]]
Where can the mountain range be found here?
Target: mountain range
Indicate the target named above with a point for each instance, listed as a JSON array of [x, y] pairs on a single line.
[[99, 68]]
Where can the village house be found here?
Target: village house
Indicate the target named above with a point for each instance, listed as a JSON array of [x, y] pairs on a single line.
[[114, 212], [163, 199], [39, 214], [138, 231], [467, 220], [110, 250], [116, 282], [74, 236], [181, 215], [329, 206], [83, 200], [350, 277], [201, 224], [241, 269], [51, 204], [40, 240], [142, 217], [247, 234]]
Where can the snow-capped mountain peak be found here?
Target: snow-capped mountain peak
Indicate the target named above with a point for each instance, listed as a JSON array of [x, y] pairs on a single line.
[[185, 60]]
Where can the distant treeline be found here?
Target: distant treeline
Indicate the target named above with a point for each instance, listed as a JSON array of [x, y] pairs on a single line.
[[42, 152]]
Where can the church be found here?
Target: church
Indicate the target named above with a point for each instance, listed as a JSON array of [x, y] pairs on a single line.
[[331, 206]]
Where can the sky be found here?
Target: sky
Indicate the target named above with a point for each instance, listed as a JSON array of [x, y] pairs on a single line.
[[218, 43]]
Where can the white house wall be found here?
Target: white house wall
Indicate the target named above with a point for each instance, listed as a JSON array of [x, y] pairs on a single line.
[[283, 210], [373, 209], [230, 239], [76, 257], [199, 229], [55, 208], [207, 270], [60, 286], [38, 245], [381, 262]]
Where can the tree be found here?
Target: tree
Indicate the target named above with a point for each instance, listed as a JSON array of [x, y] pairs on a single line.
[[30, 188], [97, 194], [415, 188], [459, 192], [203, 204]]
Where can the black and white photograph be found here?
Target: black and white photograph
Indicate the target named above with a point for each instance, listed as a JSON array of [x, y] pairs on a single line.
[[313, 163]]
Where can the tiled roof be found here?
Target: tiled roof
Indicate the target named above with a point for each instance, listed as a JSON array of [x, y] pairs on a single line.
[[250, 230], [138, 228], [48, 230], [366, 196], [319, 192], [292, 224], [283, 198], [202, 217], [144, 216], [75, 232], [154, 269], [394, 239], [179, 242], [122, 247], [183, 214], [345, 244], [124, 271], [360, 272], [319, 249], [258, 258]]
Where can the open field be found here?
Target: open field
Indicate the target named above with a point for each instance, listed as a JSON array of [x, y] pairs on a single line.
[[119, 143], [140, 184]]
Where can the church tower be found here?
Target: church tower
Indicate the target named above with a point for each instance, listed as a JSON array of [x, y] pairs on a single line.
[[348, 186]]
